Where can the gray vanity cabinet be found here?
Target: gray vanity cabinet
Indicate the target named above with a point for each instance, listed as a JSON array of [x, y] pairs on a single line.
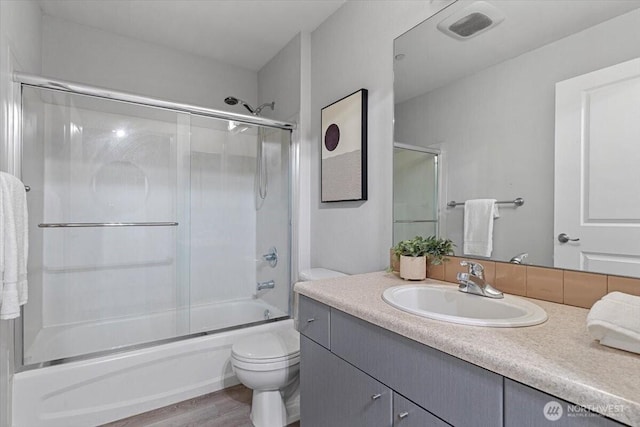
[[456, 391], [408, 414], [353, 373], [313, 320], [333, 393], [528, 407]]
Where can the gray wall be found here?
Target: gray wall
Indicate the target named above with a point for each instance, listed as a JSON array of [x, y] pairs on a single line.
[[497, 131], [353, 49], [83, 54]]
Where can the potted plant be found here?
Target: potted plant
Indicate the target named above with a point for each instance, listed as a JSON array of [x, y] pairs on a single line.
[[413, 254]]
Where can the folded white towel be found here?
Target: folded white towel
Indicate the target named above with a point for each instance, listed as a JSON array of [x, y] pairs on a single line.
[[615, 321], [478, 226], [14, 246]]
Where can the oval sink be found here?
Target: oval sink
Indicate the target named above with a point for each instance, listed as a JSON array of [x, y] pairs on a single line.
[[442, 302]]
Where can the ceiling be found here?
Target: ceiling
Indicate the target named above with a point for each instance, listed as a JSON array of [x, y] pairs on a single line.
[[433, 59], [244, 33]]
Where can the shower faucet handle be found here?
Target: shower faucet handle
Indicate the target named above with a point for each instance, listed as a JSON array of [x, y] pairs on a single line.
[[271, 257]]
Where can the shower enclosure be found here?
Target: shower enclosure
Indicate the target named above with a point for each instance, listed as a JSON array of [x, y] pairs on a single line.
[[415, 192], [145, 225]]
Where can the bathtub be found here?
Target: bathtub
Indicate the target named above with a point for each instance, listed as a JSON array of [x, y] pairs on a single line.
[[104, 389]]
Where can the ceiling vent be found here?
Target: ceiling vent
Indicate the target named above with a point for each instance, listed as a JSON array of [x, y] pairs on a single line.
[[471, 21]]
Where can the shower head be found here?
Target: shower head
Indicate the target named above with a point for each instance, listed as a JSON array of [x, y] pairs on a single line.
[[232, 100]]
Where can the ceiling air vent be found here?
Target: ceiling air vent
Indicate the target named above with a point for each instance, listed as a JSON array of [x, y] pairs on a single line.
[[472, 20]]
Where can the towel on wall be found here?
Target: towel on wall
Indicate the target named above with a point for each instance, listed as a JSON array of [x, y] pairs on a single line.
[[14, 246], [478, 226]]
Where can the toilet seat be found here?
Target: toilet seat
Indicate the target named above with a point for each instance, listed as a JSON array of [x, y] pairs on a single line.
[[270, 348]]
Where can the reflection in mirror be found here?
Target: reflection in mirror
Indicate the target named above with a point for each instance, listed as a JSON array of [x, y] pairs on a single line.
[[506, 103], [415, 195]]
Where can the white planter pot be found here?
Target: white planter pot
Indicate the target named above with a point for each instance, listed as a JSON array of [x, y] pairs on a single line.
[[413, 268]]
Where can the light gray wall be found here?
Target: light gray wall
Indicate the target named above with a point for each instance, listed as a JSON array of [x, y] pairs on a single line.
[[279, 81], [497, 131], [82, 54], [20, 50], [285, 79], [353, 49]]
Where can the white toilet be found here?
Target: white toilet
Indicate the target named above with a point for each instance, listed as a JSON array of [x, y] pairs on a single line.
[[268, 364]]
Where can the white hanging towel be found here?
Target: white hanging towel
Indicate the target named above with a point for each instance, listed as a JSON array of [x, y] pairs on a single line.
[[14, 246], [478, 226]]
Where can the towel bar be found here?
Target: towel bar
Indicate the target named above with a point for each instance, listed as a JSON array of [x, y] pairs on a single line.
[[106, 224], [518, 202]]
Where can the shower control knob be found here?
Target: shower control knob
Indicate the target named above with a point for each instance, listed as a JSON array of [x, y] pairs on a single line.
[[564, 238], [271, 257]]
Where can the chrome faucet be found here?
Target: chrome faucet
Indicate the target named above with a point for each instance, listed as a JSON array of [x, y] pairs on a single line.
[[519, 259], [473, 282]]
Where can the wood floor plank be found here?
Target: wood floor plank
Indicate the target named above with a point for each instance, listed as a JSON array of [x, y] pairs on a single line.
[[230, 407]]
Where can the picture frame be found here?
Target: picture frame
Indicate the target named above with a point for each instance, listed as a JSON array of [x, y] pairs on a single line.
[[343, 158]]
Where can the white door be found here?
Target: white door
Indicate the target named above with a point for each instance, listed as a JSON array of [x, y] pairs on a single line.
[[597, 171]]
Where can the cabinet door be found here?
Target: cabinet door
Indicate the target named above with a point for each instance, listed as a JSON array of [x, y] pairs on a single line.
[[462, 394], [313, 320], [333, 393], [528, 407], [408, 414]]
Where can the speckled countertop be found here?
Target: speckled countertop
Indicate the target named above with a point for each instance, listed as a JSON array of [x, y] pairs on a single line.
[[558, 357]]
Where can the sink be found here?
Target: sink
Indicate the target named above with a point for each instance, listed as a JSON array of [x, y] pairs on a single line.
[[442, 302]]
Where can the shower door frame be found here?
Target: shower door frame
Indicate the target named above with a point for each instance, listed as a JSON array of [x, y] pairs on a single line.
[[438, 155], [14, 150]]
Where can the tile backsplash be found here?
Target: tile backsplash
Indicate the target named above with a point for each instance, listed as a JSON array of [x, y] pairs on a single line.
[[569, 287]]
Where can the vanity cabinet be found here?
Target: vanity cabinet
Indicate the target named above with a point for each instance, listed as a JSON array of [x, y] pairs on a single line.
[[408, 414], [527, 407], [353, 373], [313, 320], [334, 393]]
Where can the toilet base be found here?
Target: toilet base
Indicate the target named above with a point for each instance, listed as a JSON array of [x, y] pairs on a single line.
[[268, 409]]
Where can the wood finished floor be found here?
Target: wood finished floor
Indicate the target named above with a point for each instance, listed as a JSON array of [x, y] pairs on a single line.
[[225, 408]]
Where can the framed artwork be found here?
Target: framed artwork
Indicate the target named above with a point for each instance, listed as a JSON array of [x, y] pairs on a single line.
[[344, 149]]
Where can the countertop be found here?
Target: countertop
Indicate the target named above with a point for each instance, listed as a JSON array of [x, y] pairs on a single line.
[[558, 357]]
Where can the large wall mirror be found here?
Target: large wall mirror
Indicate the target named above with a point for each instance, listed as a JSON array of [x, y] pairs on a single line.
[[538, 100]]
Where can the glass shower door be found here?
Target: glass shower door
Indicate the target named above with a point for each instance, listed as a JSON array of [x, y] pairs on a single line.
[[232, 226], [109, 224]]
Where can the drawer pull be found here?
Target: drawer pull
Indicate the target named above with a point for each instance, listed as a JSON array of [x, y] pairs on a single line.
[[311, 320], [403, 415], [376, 396]]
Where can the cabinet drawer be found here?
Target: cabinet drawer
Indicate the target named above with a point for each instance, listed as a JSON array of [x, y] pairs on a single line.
[[408, 414], [527, 407], [440, 383], [335, 394], [313, 320]]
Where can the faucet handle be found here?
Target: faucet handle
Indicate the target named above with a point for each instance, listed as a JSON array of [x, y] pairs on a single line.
[[475, 268]]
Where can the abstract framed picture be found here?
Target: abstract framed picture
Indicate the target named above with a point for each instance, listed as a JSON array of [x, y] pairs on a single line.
[[344, 149]]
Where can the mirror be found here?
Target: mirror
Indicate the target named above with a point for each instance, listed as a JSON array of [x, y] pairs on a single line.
[[488, 104], [415, 210]]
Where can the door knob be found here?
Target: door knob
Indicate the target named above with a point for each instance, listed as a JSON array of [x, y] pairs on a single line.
[[564, 238]]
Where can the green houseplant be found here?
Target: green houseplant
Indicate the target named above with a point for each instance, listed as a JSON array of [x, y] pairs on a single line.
[[413, 254]]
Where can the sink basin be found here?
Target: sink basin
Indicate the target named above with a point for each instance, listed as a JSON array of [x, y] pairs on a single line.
[[441, 302]]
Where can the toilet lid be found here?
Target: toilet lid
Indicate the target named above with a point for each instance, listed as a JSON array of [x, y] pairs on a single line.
[[268, 346]]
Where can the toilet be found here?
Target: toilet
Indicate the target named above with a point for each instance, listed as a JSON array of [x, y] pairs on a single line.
[[269, 364]]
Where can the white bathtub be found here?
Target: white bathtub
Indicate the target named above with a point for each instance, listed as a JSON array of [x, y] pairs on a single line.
[[100, 390]]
